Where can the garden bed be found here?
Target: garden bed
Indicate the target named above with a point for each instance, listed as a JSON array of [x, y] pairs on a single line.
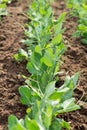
[[75, 59]]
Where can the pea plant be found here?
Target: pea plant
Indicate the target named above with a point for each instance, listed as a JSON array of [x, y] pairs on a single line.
[[3, 7], [44, 50], [45, 106], [79, 9]]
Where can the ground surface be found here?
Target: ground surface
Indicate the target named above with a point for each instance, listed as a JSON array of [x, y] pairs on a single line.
[[75, 59]]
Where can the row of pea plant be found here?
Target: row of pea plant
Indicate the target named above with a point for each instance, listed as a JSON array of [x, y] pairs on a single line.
[[3, 10], [44, 50], [79, 9]]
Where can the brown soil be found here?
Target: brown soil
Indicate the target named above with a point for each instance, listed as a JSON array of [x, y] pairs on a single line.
[[75, 59], [11, 33]]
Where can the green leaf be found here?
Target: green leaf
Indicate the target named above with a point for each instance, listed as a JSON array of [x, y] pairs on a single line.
[[74, 78], [28, 42], [44, 80], [22, 54], [3, 6], [84, 7], [17, 57], [84, 41], [38, 49], [25, 95], [65, 125], [48, 58], [47, 118], [57, 39], [82, 27], [50, 88], [34, 65], [57, 95], [15, 124], [56, 124], [58, 25], [70, 82], [33, 69], [61, 18], [31, 124], [69, 105], [12, 120]]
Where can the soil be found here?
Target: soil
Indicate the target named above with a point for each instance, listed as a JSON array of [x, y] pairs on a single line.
[[11, 33], [75, 59]]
